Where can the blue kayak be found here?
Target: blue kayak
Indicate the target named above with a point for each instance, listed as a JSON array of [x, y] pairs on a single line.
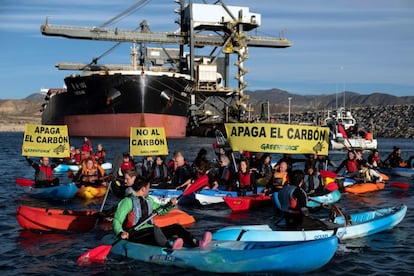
[[162, 196], [361, 225], [236, 256], [62, 168], [328, 198], [60, 192]]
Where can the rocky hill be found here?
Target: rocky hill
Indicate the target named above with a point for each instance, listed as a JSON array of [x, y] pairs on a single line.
[[14, 114], [386, 115]]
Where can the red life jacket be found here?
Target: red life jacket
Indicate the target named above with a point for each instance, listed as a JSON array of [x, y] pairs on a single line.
[[45, 173], [352, 166], [244, 180]]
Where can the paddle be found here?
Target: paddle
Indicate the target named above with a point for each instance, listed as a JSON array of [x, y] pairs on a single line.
[[98, 254], [401, 185], [116, 164], [24, 182]]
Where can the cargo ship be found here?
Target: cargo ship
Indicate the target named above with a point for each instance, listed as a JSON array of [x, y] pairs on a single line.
[[162, 87]]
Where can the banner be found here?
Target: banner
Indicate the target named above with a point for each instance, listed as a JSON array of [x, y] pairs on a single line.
[[145, 141], [46, 140], [278, 138]]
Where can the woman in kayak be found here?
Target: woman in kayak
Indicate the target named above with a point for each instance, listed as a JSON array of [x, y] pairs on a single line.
[[133, 210]]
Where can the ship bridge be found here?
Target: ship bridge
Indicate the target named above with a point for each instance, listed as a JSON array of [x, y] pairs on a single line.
[[222, 27]]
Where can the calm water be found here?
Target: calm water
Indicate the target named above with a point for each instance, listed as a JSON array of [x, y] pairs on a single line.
[[23, 252]]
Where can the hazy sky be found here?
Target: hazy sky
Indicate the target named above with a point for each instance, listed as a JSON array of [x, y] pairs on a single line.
[[363, 46]]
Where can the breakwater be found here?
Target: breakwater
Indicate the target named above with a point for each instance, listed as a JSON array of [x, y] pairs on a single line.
[[388, 121]]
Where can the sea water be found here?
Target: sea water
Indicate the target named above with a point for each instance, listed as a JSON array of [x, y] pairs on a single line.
[[28, 253]]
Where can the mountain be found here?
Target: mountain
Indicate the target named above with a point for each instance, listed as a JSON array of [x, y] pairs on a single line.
[[279, 102]]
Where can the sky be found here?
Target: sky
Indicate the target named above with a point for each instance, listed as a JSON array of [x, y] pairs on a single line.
[[364, 46]]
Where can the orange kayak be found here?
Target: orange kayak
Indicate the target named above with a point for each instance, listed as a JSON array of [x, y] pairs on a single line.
[[48, 219], [364, 188]]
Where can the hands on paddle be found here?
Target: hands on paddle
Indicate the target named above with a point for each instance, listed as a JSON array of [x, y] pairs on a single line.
[[99, 254]]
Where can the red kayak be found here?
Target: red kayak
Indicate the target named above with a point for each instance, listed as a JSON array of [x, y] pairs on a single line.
[[47, 219], [244, 203]]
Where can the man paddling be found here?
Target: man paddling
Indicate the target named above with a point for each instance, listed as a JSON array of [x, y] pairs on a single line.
[[137, 207], [293, 201]]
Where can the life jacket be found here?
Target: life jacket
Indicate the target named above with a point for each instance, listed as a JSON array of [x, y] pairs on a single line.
[[352, 166], [280, 175], [100, 156], [244, 180], [141, 210], [127, 165], [90, 175], [311, 182], [365, 175], [160, 172], [45, 173], [287, 202]]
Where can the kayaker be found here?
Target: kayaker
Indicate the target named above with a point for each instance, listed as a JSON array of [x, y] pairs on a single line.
[[350, 164], [293, 201], [245, 179], [182, 173], [279, 178], [223, 178], [368, 175], [137, 207], [265, 169], [160, 174], [394, 159], [43, 173], [312, 180], [100, 154], [91, 174]]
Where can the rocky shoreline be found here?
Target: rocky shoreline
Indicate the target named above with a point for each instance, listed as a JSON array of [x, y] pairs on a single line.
[[390, 121]]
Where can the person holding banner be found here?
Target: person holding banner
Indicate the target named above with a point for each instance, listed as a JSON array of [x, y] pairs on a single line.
[[43, 173]]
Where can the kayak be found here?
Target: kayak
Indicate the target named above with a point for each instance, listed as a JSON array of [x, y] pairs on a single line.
[[90, 192], [328, 198], [61, 168], [48, 219], [314, 201], [360, 188], [362, 224], [235, 256], [59, 192], [162, 196], [244, 203]]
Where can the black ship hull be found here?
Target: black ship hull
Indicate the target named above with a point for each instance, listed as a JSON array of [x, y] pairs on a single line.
[[108, 104]]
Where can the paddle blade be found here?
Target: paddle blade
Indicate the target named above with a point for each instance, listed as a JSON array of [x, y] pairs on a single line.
[[197, 185], [95, 255], [24, 182], [401, 185]]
